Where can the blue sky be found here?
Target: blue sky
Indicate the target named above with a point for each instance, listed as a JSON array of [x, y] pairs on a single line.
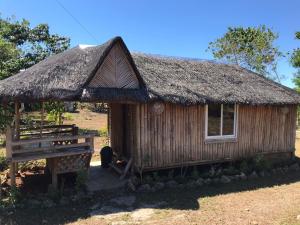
[[176, 28]]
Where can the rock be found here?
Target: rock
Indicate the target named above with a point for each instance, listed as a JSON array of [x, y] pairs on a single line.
[[207, 181], [199, 181], [285, 169], [124, 200], [253, 175], [243, 176], [224, 179], [171, 184], [279, 170], [144, 188], [298, 217], [158, 186], [254, 222], [294, 167], [44, 221]]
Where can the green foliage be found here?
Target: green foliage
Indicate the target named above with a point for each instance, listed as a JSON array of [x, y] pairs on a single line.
[[103, 132], [295, 61], [251, 47], [231, 170], [260, 163], [14, 196], [68, 116], [22, 46], [55, 111], [245, 167], [6, 116], [26, 45], [3, 162], [81, 179]]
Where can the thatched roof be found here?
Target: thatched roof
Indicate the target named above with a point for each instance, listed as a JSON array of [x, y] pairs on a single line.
[[182, 81]]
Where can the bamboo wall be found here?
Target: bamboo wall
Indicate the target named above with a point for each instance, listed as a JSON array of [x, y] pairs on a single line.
[[177, 136]]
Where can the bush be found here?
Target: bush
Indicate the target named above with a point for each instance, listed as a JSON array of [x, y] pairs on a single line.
[[14, 196], [231, 170], [260, 163], [68, 116], [3, 162], [245, 167], [103, 132]]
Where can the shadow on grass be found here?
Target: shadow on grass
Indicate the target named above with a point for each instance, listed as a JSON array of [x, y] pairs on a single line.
[[178, 199]]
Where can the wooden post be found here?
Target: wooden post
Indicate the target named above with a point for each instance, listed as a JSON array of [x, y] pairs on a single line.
[[42, 119], [17, 121], [109, 125], [12, 166], [17, 129]]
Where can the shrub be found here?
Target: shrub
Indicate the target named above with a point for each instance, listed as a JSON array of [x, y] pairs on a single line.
[[103, 132], [3, 162], [231, 170], [260, 163], [68, 116], [81, 180], [245, 167], [14, 196]]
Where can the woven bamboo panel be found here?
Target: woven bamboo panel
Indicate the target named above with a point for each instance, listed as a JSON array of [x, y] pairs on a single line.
[[115, 72], [73, 163]]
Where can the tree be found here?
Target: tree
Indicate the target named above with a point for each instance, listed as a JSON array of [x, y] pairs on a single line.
[[22, 46], [28, 45], [251, 47], [295, 61]]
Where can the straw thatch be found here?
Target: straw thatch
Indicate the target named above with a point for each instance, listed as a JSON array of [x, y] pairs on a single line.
[[182, 81]]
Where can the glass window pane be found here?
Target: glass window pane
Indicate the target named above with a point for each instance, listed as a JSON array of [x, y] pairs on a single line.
[[214, 120], [228, 119]]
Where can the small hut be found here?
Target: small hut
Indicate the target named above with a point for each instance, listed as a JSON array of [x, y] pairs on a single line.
[[166, 112]]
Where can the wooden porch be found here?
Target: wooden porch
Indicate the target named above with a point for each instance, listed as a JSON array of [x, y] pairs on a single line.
[[64, 150]]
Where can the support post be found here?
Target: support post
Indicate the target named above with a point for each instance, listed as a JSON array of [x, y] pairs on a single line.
[[17, 128]]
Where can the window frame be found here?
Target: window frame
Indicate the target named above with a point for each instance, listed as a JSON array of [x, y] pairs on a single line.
[[221, 136]]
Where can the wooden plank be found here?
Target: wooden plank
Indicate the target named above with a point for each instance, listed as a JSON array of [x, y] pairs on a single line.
[[52, 148], [36, 141], [43, 155]]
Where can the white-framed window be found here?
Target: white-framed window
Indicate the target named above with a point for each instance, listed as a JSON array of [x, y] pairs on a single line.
[[221, 121]]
